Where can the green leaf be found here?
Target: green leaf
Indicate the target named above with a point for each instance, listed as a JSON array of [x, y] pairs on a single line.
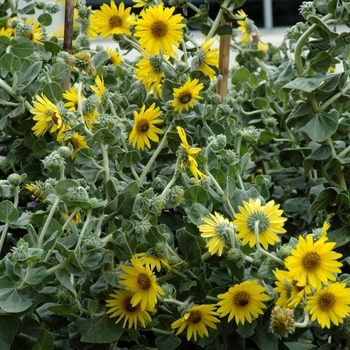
[[45, 19], [168, 90], [189, 247], [307, 84], [321, 62], [15, 302], [240, 76], [36, 275], [8, 212], [52, 47], [99, 330], [26, 76], [85, 156], [324, 199], [196, 194], [59, 72], [300, 346], [63, 186], [70, 255], [196, 213], [53, 92], [8, 326], [167, 342], [40, 148], [121, 245], [64, 278], [101, 58], [63, 310], [131, 158], [45, 341], [321, 126], [153, 236], [10, 63], [341, 236], [22, 47], [104, 135]]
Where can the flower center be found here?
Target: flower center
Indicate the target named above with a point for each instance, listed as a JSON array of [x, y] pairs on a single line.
[[128, 307], [297, 288], [56, 119], [311, 261], [115, 22], [326, 301], [195, 317], [264, 222], [144, 281], [241, 299], [142, 126], [185, 97], [159, 29]]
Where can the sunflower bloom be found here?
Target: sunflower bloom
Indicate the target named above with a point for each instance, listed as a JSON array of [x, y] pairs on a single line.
[[313, 263], [71, 96], [269, 222], [77, 141], [245, 26], [153, 262], [37, 190], [112, 20], [243, 301], [144, 127], [6, 32], [190, 155], [114, 57], [140, 280], [206, 58], [330, 304], [159, 30], [290, 295], [220, 229], [30, 30], [120, 306], [100, 89], [197, 319], [187, 95]]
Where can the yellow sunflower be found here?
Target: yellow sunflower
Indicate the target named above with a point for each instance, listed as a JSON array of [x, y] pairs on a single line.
[[112, 20], [139, 3], [150, 71], [245, 26], [6, 32], [290, 295], [197, 319], [77, 141], [100, 89], [120, 306], [140, 280], [159, 30], [187, 95], [152, 261], [33, 31], [313, 263], [220, 229], [90, 118], [330, 305], [267, 219], [144, 127], [114, 57], [37, 190], [71, 96], [243, 301], [190, 155], [206, 58]]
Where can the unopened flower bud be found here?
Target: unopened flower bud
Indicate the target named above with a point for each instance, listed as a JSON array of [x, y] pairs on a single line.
[[76, 194], [53, 161], [230, 157], [169, 291], [21, 252], [14, 179], [282, 321], [142, 227], [159, 183], [92, 242], [176, 194], [65, 151], [218, 142]]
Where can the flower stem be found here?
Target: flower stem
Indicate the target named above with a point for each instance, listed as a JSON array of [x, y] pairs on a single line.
[[305, 323], [83, 230], [217, 21], [4, 234]]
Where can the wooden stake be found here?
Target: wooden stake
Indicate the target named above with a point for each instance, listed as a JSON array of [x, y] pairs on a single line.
[[68, 35]]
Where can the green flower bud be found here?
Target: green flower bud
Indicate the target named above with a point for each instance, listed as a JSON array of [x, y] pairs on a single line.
[[156, 62], [53, 8], [76, 194], [218, 142], [14, 179], [282, 321], [230, 157], [142, 227], [158, 204], [21, 252], [63, 56], [181, 67], [63, 295], [270, 122], [250, 134], [215, 99], [92, 242], [160, 182], [82, 42], [225, 110], [65, 151], [234, 254], [53, 161], [175, 195], [169, 290], [160, 249], [284, 251]]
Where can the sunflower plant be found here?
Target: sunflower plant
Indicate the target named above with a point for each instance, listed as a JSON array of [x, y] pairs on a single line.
[[154, 197]]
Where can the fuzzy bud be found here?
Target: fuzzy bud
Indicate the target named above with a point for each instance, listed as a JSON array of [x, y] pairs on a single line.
[[14, 179], [218, 142], [65, 151], [175, 195], [282, 321], [142, 227], [159, 183], [169, 290], [92, 242], [53, 161]]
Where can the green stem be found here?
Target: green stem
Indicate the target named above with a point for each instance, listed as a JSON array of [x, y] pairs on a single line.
[[19, 98], [334, 98], [4, 234], [161, 331], [305, 323], [83, 230], [15, 196], [173, 180], [53, 269], [105, 161], [173, 301], [155, 155], [48, 221], [217, 20]]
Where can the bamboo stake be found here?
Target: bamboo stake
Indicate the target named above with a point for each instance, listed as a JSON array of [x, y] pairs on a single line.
[[68, 35]]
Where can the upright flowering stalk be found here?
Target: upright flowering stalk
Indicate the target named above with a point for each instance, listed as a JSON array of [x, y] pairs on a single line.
[[197, 319], [269, 222], [313, 263], [159, 31], [140, 280], [220, 230], [243, 301]]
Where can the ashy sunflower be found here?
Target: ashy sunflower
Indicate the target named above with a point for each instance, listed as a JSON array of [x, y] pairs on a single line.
[[245, 26], [6, 32], [330, 304], [140, 280], [100, 89], [144, 127], [30, 30], [187, 95], [112, 20], [290, 295], [71, 96], [313, 263], [159, 30], [266, 218], [197, 319], [207, 57], [120, 306], [90, 118], [153, 261], [190, 155], [77, 141], [220, 229], [114, 57], [243, 301], [38, 190]]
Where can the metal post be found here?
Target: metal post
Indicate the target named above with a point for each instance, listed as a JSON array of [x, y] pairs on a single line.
[[268, 18]]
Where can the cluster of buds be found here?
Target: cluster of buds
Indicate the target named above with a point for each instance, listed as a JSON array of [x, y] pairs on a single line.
[[282, 321]]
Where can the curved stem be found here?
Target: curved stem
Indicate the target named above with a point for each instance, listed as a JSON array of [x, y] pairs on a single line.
[[4, 234], [305, 323], [83, 230], [217, 21]]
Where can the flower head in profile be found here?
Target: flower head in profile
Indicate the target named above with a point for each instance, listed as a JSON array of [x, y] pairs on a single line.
[[114, 57], [207, 57], [246, 26], [159, 30], [330, 305], [243, 301], [152, 261], [6, 32], [313, 263], [100, 89], [140, 280], [120, 306], [290, 294], [197, 319], [30, 30], [144, 127], [190, 153], [267, 219], [77, 141], [71, 96], [112, 20], [187, 95], [220, 230], [150, 71], [38, 190]]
